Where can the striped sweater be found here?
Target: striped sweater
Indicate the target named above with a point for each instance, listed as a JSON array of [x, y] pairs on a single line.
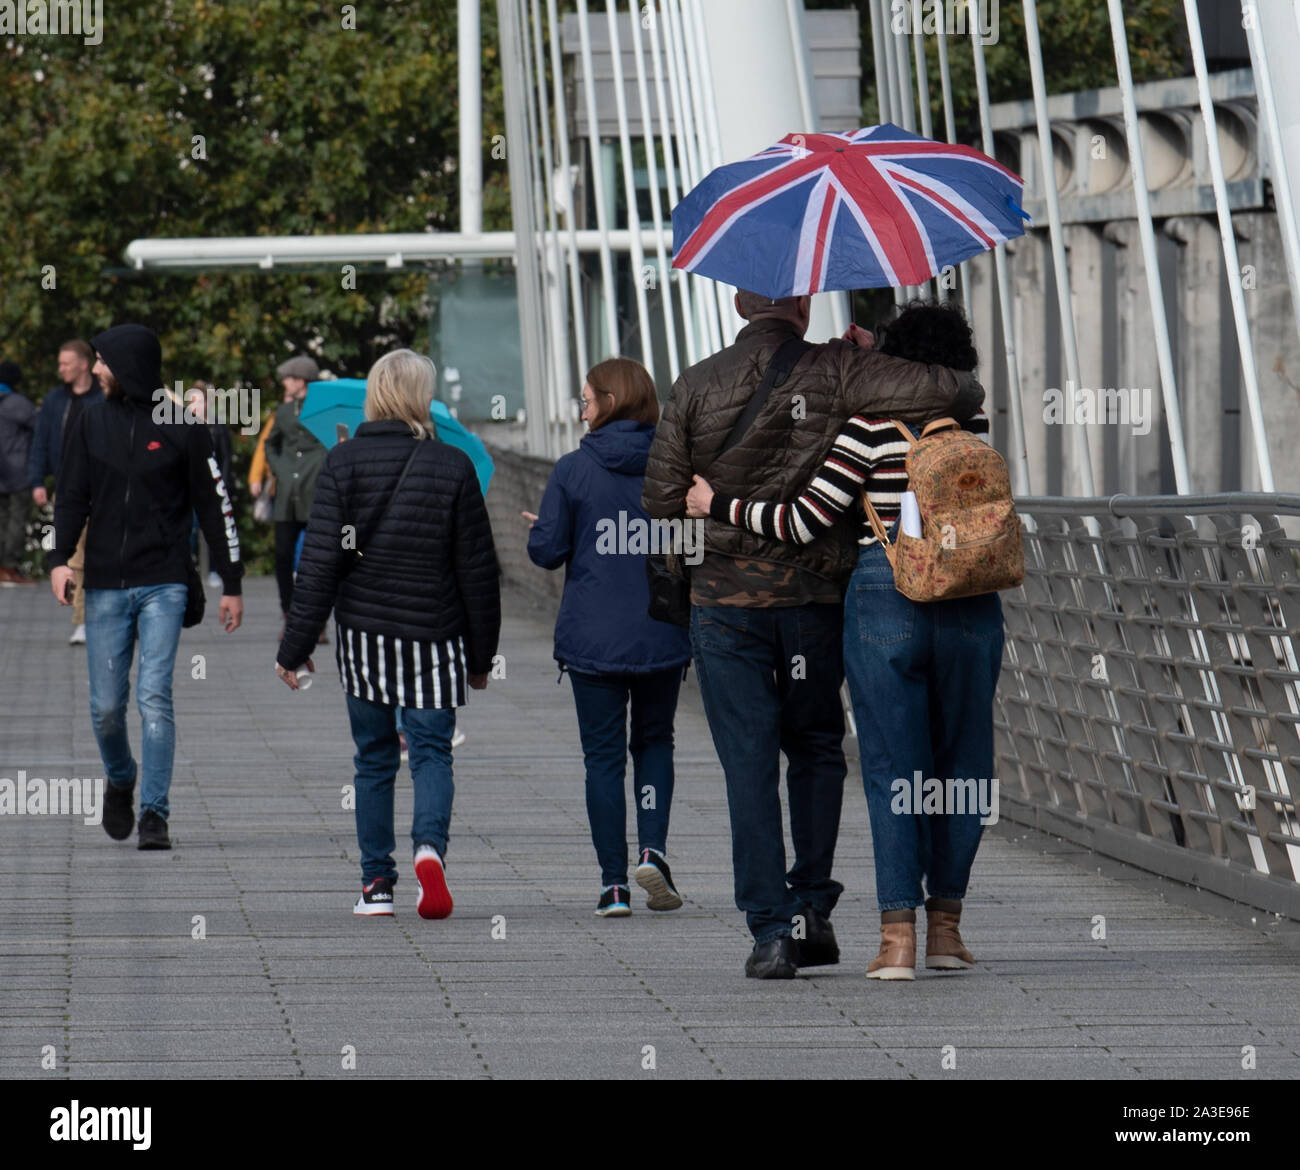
[[868, 452]]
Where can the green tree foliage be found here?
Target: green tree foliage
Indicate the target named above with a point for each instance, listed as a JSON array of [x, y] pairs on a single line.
[[308, 127]]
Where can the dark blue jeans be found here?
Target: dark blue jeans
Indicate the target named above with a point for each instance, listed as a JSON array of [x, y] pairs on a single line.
[[428, 736], [922, 677], [602, 702], [771, 681]]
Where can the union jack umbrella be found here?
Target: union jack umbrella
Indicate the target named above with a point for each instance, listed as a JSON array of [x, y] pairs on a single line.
[[874, 208]]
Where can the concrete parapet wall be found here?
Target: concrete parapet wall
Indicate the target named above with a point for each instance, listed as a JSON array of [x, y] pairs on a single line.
[[517, 486]]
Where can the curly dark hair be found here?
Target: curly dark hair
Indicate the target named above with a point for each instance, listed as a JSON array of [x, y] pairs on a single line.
[[930, 331]]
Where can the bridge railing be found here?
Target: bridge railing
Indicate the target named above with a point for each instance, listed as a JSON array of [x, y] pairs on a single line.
[[1149, 705]]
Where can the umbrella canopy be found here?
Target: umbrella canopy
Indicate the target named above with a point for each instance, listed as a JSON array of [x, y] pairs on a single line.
[[874, 208], [341, 402]]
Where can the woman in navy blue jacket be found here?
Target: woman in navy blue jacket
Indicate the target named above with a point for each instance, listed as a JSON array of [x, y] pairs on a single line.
[[592, 523]]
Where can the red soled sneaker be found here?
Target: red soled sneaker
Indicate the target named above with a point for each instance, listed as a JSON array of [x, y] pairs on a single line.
[[435, 898]]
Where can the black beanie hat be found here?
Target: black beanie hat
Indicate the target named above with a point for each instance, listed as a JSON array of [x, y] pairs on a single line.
[[11, 374]]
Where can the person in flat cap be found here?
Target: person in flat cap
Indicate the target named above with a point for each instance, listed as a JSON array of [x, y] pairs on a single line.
[[296, 457]]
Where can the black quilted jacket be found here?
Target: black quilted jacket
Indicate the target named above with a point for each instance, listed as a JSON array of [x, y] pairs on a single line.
[[429, 572]]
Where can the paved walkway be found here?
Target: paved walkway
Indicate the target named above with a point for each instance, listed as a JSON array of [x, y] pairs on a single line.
[[104, 977]]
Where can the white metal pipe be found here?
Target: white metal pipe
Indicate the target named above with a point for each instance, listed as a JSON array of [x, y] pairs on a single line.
[[922, 82], [705, 67], [578, 316], [706, 112], [1249, 376], [883, 107], [1017, 447], [670, 177], [1047, 162], [629, 187], [665, 284], [1285, 200], [836, 302], [927, 124], [469, 75], [397, 249], [531, 342], [890, 56], [802, 66], [950, 135], [903, 73], [562, 382], [608, 291], [1155, 285], [688, 128]]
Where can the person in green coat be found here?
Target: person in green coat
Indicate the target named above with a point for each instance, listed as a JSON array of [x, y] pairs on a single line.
[[296, 457]]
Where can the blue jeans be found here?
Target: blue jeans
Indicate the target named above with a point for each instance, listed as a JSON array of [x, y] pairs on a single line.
[[770, 679], [922, 677], [428, 736], [115, 618], [602, 702]]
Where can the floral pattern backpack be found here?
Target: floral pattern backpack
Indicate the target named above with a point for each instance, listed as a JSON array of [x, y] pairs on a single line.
[[970, 534]]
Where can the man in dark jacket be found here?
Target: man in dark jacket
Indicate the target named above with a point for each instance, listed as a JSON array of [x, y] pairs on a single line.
[[60, 410], [134, 483], [767, 617], [17, 419], [296, 457]]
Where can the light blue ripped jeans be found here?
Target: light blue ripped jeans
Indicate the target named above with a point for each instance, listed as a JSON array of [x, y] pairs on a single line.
[[115, 618]]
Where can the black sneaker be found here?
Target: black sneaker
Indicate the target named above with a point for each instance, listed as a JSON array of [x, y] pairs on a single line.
[[818, 947], [376, 899], [615, 902], [774, 959], [653, 876], [119, 810], [153, 832]]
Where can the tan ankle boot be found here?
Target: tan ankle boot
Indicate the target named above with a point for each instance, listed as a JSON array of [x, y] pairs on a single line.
[[897, 958], [943, 946]]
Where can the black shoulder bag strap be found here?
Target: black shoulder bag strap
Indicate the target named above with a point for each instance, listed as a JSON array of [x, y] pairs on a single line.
[[778, 370], [392, 496]]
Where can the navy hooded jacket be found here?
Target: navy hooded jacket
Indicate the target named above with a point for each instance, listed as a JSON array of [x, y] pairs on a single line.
[[590, 517]]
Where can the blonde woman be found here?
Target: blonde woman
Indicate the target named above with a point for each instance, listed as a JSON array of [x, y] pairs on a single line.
[[417, 614]]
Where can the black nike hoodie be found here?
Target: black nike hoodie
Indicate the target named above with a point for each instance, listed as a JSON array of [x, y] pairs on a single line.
[[135, 481]]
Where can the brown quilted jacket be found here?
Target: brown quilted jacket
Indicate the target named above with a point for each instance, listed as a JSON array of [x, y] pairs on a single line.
[[791, 436]]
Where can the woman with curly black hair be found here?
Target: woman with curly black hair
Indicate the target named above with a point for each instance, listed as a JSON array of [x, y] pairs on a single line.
[[922, 676]]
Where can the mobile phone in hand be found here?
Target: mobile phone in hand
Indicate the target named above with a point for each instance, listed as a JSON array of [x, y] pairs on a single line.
[[69, 588]]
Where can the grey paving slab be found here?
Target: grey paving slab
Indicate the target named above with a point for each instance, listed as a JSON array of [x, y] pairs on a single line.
[[100, 960]]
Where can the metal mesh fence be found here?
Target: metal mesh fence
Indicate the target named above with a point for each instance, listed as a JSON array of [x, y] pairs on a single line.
[[1149, 705]]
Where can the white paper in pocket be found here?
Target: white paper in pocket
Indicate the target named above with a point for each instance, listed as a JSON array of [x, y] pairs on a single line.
[[910, 516]]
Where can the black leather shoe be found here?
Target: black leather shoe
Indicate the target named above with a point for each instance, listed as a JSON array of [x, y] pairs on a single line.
[[772, 960], [153, 832], [818, 947], [119, 810]]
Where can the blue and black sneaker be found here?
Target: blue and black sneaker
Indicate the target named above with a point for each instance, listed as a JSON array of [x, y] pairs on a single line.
[[615, 902], [653, 876]]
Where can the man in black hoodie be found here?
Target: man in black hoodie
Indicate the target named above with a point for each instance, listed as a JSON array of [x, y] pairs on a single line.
[[135, 482]]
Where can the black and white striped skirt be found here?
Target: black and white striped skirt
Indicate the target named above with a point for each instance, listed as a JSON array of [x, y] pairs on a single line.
[[401, 672]]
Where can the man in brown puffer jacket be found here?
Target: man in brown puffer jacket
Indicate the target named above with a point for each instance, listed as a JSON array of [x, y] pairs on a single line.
[[767, 617]]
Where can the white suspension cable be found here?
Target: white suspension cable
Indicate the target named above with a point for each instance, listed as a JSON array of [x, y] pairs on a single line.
[[1232, 261], [1155, 284]]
